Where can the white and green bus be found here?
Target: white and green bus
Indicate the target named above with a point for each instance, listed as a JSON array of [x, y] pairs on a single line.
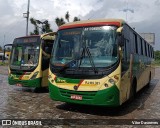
[[29, 60], [99, 62]]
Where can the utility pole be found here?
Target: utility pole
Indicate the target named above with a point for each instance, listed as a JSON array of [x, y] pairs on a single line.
[[26, 15], [4, 40], [127, 9], [3, 49]]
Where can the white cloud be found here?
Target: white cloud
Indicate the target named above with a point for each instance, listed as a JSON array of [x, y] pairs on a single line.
[[146, 13]]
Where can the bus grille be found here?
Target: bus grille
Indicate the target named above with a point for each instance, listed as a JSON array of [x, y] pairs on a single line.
[[26, 83], [87, 95]]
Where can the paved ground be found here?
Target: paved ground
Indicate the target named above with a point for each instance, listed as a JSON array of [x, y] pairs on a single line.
[[23, 103]]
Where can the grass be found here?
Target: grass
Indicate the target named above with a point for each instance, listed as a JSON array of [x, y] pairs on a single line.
[[3, 63], [156, 63]]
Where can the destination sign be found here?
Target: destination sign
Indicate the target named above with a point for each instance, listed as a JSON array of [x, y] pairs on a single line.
[[27, 40]]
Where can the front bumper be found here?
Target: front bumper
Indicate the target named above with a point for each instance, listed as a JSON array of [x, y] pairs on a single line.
[[107, 97], [26, 83]]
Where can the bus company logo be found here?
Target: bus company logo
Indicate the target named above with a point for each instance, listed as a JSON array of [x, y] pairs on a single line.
[[6, 122], [60, 80], [75, 87]]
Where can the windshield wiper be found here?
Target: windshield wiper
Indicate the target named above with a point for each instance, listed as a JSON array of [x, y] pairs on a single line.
[[86, 49], [91, 60]]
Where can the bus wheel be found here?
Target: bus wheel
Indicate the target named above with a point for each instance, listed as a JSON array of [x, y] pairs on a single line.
[[132, 90], [41, 90]]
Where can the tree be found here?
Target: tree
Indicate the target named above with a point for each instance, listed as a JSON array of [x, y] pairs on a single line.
[[76, 19], [157, 55], [67, 16], [1, 49], [60, 21], [45, 28], [36, 30]]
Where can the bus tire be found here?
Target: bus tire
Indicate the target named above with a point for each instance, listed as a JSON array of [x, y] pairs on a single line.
[[133, 90]]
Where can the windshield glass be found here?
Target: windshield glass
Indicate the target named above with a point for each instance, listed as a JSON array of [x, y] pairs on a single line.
[[79, 47], [25, 53]]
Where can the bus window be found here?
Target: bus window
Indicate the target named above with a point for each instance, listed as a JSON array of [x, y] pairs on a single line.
[[141, 47], [136, 43]]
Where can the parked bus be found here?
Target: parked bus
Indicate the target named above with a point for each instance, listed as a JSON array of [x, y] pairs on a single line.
[[1, 55], [29, 61], [99, 62], [4, 56], [7, 51]]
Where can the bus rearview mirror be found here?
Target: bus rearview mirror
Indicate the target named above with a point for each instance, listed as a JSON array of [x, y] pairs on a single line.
[[120, 40]]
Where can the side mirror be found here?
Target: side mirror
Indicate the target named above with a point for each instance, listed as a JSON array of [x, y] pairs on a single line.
[[120, 40], [120, 36]]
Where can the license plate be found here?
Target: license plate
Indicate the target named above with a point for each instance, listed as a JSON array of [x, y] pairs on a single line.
[[20, 85], [76, 97]]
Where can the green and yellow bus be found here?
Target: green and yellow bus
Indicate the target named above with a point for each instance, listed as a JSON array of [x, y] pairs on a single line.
[[99, 62], [29, 61]]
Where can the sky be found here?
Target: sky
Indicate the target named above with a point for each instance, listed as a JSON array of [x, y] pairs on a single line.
[[143, 15]]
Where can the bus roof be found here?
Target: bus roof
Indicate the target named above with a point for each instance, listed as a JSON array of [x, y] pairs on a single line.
[[28, 36], [97, 22], [48, 36]]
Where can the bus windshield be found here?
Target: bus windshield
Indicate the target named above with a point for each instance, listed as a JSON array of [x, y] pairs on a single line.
[[25, 53], [85, 47]]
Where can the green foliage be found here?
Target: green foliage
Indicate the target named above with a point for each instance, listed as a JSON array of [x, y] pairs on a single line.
[[157, 58], [61, 21], [3, 63], [67, 16], [76, 19], [1, 48], [157, 55], [45, 28], [36, 30]]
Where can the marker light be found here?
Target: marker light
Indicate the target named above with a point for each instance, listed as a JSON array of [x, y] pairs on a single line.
[[106, 85], [116, 77]]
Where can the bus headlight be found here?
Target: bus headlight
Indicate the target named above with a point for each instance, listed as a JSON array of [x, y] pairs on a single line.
[[111, 81], [34, 75]]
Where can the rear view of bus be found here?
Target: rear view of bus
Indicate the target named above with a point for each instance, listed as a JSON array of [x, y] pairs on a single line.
[[86, 63], [26, 62]]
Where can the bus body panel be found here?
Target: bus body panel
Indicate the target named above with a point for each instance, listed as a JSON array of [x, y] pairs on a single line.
[[93, 91], [25, 83], [136, 65], [44, 78], [106, 97]]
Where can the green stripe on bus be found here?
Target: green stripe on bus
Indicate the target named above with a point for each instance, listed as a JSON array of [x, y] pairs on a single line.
[[67, 80], [26, 83]]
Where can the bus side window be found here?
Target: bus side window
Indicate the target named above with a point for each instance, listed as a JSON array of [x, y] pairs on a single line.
[[125, 58], [126, 50]]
